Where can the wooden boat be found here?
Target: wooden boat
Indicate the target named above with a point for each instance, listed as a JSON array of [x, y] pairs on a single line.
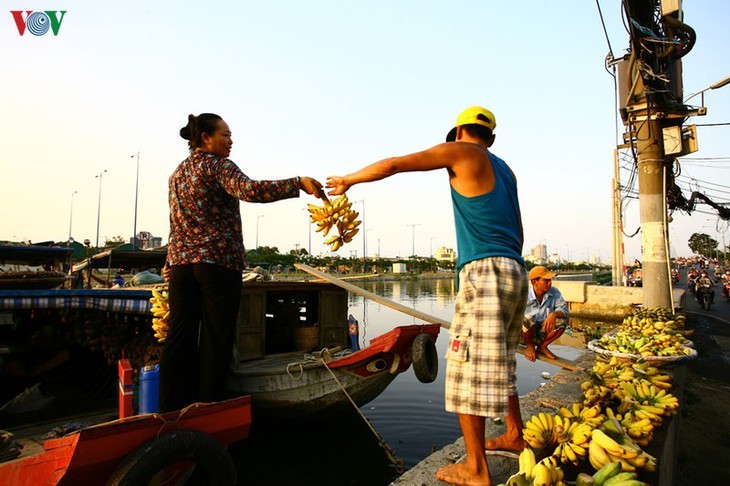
[[137, 448], [298, 385], [294, 354]]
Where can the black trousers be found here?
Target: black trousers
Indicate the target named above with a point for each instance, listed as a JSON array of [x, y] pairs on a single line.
[[194, 365]]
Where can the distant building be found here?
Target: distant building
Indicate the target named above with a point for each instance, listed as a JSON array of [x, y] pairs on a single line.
[[540, 252], [444, 254], [595, 260], [554, 258], [400, 268]]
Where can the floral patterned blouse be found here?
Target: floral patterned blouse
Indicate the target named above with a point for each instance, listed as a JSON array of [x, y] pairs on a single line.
[[205, 219]]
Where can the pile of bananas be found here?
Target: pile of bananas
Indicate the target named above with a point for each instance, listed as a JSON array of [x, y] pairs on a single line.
[[649, 332], [611, 444], [547, 472], [161, 313], [337, 213], [609, 475]]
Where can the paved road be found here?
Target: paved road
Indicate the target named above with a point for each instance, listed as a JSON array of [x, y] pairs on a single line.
[[720, 309], [705, 422]]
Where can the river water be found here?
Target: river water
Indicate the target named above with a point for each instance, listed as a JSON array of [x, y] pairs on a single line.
[[409, 415]]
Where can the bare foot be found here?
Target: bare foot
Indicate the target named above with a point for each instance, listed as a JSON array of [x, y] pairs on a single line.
[[530, 352], [546, 352], [506, 442], [461, 475]]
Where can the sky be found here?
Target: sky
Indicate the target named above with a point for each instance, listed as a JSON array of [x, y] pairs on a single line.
[[321, 88]]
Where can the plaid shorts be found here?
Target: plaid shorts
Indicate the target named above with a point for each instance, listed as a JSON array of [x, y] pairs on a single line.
[[485, 330], [540, 334]]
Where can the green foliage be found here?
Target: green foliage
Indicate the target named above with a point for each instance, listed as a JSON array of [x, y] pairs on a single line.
[[702, 244]]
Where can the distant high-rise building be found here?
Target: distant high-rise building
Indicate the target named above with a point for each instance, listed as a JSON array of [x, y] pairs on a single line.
[[540, 252]]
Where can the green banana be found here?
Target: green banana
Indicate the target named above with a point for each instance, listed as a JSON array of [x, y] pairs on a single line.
[[607, 471]]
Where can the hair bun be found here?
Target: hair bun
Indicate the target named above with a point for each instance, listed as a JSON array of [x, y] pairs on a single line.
[[185, 132]]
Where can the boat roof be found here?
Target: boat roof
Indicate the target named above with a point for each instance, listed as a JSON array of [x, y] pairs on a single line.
[[114, 258], [33, 254]]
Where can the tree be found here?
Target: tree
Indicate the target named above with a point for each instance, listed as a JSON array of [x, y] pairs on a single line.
[[702, 244]]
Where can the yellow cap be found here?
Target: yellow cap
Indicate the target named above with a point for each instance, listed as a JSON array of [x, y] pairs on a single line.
[[474, 115]]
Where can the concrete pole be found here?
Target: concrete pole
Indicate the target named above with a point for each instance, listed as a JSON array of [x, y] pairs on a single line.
[[618, 244], [652, 208]]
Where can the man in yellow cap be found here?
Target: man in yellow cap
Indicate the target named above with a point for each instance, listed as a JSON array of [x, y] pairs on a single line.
[[485, 331], [545, 314]]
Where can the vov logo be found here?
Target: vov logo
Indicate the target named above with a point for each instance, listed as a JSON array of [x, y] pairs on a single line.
[[38, 23]]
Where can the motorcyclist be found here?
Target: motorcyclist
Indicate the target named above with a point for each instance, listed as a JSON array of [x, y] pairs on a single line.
[[691, 280], [725, 280], [705, 284]]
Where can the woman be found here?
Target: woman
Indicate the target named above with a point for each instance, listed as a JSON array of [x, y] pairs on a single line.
[[205, 257]]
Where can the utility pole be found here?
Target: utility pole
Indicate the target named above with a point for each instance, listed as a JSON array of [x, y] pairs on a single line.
[[618, 244], [650, 93]]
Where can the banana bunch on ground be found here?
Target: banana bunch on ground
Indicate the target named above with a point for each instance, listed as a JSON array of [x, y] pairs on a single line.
[[658, 312], [647, 401], [539, 431], [611, 444], [547, 472], [572, 438], [584, 415], [609, 475], [596, 394], [161, 313], [641, 430], [644, 371], [339, 214]]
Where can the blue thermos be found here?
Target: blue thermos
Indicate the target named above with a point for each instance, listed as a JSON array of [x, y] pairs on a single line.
[[354, 331], [149, 389]]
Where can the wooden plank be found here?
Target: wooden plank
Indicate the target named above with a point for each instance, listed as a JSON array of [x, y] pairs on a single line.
[[563, 363]]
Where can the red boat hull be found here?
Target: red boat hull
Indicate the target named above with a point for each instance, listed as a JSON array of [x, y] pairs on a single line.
[[91, 455]]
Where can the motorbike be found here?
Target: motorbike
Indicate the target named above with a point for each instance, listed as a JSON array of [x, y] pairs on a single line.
[[691, 285], [704, 296], [726, 292]]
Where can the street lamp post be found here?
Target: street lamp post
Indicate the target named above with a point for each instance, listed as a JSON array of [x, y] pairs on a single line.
[[716, 85], [136, 193], [71, 216], [257, 229], [364, 254], [98, 210], [413, 238]]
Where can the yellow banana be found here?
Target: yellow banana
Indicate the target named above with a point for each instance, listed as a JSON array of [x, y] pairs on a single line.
[[610, 445]]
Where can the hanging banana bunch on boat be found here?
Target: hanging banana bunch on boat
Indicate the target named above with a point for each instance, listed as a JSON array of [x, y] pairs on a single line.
[[161, 313], [336, 214]]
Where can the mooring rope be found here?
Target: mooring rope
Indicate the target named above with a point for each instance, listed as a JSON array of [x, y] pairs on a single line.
[[389, 452]]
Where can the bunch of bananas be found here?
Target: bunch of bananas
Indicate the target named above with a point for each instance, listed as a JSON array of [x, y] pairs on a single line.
[[647, 401], [337, 213], [539, 431], [609, 475], [640, 430], [582, 414], [596, 394], [547, 472], [644, 371], [572, 438], [161, 312], [611, 444]]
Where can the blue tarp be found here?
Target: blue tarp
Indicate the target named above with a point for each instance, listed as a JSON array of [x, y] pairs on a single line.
[[122, 301]]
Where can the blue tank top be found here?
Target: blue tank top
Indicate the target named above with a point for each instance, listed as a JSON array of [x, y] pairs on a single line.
[[488, 225]]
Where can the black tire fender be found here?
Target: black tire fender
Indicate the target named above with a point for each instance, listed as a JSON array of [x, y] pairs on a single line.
[[425, 358], [210, 457]]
